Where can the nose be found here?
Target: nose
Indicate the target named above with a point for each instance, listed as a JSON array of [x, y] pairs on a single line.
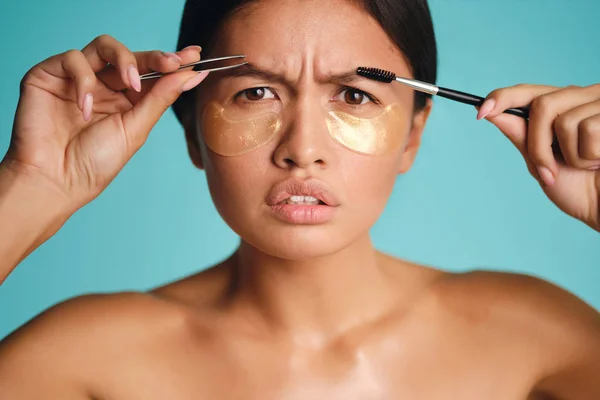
[[306, 142]]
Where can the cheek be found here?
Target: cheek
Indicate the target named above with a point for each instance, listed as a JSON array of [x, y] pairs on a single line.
[[379, 135], [377, 145], [233, 135], [369, 180], [237, 184]]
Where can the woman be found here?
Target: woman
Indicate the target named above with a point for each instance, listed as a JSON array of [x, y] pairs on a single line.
[[305, 308]]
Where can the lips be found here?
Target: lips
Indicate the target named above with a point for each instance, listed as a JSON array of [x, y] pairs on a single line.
[[283, 191]]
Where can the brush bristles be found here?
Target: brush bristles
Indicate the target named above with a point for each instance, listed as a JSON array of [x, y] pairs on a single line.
[[376, 74]]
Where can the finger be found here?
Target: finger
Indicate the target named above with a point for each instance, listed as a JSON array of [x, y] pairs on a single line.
[[544, 111], [515, 130], [150, 61], [73, 65], [189, 51], [143, 116], [589, 139], [105, 50], [576, 133], [521, 95], [160, 61], [147, 61], [157, 64]]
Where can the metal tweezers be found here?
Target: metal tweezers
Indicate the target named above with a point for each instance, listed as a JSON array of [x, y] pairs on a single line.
[[153, 75]]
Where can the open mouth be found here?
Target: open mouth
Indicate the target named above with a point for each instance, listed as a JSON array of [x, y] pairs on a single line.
[[303, 201], [295, 192]]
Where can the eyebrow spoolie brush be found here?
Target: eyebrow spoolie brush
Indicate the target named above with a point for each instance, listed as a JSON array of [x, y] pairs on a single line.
[[382, 75]]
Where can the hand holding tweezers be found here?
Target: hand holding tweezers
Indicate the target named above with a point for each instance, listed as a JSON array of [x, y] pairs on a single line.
[[154, 75]]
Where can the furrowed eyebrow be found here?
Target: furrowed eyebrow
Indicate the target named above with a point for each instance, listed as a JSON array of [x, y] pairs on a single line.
[[252, 71]]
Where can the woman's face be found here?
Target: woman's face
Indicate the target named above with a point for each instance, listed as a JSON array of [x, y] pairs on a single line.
[[275, 130]]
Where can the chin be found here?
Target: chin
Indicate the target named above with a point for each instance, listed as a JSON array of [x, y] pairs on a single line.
[[296, 243]]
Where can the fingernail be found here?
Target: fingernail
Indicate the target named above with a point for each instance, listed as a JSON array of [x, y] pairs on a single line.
[[486, 108], [134, 78], [80, 103], [172, 56], [88, 102], [546, 175], [596, 168], [197, 48], [193, 82]]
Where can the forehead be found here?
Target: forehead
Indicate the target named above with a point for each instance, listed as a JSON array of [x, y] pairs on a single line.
[[323, 37]]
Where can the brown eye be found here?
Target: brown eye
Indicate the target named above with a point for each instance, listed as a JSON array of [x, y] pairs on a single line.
[[354, 97], [257, 93]]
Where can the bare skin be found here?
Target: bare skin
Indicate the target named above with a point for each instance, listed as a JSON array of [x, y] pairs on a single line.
[[298, 311]]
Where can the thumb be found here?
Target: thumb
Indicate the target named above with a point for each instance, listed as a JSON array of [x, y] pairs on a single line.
[[514, 128], [139, 120]]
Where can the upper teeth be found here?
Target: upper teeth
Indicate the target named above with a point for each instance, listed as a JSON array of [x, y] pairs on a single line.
[[302, 200]]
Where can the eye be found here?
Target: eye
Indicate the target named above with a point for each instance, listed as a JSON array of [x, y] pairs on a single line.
[[355, 97], [256, 94]]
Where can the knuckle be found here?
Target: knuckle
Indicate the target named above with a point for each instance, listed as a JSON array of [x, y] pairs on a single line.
[[70, 54], [536, 157], [502, 93], [32, 75], [570, 156], [592, 153], [537, 154], [25, 80], [541, 105], [590, 126], [160, 58], [522, 87], [125, 56], [104, 39], [497, 94], [565, 124], [87, 80]]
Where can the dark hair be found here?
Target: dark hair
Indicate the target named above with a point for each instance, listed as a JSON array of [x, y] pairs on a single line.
[[407, 22]]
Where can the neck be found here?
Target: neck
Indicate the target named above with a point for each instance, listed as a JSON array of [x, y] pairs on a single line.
[[321, 297]]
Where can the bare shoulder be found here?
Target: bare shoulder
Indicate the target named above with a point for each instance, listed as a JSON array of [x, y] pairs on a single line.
[[544, 322], [487, 293], [61, 351], [200, 290]]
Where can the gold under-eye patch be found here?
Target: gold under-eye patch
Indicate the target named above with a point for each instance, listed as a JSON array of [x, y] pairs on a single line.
[[230, 135], [377, 135]]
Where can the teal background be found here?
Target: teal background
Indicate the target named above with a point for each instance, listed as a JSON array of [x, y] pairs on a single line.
[[468, 203]]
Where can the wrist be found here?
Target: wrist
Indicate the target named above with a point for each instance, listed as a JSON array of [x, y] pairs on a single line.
[[43, 196], [32, 209]]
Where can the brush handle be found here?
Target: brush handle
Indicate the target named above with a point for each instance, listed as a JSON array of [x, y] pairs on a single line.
[[467, 98]]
